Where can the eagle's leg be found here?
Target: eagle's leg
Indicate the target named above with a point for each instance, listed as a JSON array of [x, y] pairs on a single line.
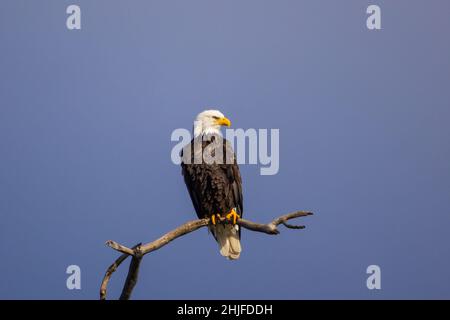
[[233, 214]]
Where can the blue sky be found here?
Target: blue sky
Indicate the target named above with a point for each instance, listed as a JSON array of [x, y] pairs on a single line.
[[85, 124]]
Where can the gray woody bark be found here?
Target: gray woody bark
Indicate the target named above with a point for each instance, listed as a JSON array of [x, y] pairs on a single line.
[[138, 251]]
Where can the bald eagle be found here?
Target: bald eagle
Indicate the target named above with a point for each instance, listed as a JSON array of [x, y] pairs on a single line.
[[215, 186]]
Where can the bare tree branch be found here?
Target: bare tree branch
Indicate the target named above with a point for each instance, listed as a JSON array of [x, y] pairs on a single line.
[[112, 268], [139, 250], [132, 277]]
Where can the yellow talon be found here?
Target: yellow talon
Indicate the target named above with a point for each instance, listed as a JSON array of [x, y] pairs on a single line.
[[233, 214], [213, 218]]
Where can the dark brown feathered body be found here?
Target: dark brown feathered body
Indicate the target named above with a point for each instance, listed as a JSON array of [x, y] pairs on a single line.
[[214, 188]]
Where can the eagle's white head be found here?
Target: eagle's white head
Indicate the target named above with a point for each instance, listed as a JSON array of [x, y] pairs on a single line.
[[209, 122]]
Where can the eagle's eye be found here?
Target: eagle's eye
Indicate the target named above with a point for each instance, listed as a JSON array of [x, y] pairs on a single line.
[[215, 117]]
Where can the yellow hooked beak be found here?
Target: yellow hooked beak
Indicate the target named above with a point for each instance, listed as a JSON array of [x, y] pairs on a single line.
[[223, 122]]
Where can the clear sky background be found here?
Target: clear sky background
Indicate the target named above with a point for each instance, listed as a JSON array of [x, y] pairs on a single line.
[[86, 118]]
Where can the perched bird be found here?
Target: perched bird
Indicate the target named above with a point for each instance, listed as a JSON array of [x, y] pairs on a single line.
[[215, 187]]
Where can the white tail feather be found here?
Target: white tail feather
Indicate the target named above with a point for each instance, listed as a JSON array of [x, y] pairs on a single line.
[[227, 237]]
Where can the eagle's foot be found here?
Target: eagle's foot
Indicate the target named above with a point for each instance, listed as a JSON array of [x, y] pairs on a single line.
[[233, 214], [214, 218]]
